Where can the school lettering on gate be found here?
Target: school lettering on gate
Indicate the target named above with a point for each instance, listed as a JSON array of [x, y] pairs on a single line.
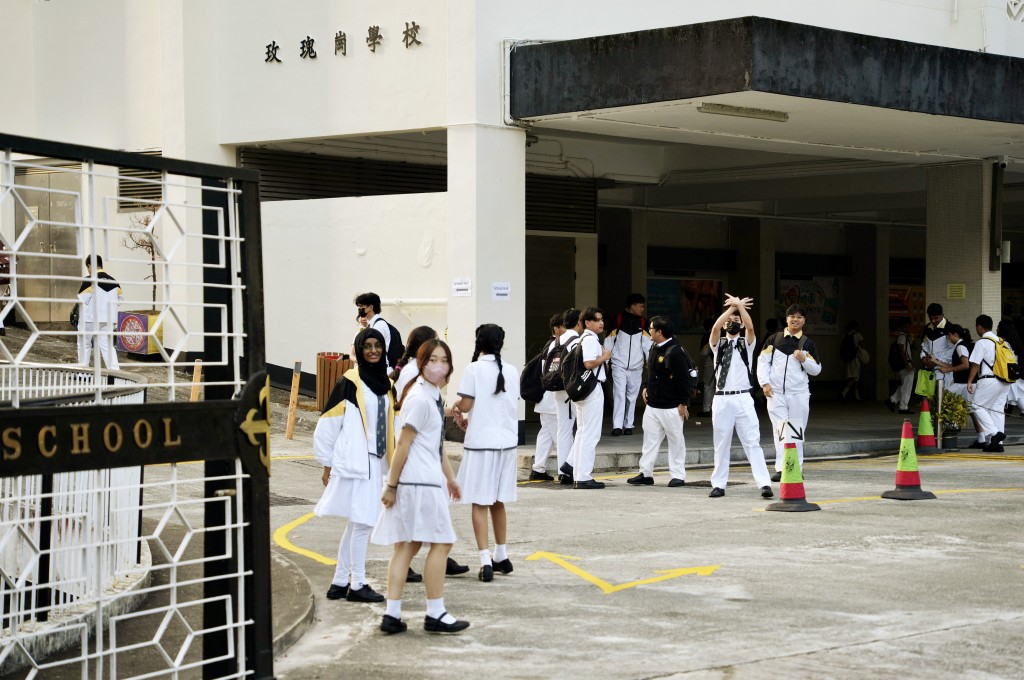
[[144, 435]]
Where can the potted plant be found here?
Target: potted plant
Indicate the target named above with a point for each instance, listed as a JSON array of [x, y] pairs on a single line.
[[135, 327], [952, 418]]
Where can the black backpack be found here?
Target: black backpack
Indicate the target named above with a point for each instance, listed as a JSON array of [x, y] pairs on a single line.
[[579, 380], [551, 378], [848, 348], [395, 346], [896, 356], [530, 386]]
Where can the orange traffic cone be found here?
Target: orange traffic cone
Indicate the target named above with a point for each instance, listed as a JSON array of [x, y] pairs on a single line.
[[908, 479], [791, 489], [925, 432]]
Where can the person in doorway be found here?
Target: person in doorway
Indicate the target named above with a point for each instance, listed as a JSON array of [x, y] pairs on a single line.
[[415, 499], [566, 414], [590, 411], [783, 371], [98, 298], [988, 392], [487, 475], [733, 407], [629, 344], [850, 348], [547, 411], [707, 370], [354, 438], [899, 401], [935, 348], [670, 378], [960, 368]]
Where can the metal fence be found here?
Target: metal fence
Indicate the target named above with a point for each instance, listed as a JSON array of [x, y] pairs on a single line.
[[134, 525]]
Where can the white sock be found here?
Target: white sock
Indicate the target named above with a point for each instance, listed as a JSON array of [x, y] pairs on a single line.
[[982, 438], [485, 557], [436, 610], [394, 608], [500, 553]]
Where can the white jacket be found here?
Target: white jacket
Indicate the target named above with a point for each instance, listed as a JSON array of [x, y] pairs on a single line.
[[780, 369], [339, 441], [629, 352]]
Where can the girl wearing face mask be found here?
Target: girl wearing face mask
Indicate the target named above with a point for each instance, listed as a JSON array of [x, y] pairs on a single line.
[[353, 439], [415, 497], [488, 471]]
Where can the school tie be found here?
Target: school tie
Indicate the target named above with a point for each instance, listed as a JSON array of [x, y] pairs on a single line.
[[382, 425], [726, 361], [440, 409]]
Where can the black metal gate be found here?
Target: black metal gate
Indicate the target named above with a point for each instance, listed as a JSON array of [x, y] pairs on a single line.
[[134, 521]]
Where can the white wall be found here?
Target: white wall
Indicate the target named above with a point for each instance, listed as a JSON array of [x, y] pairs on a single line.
[[319, 254]]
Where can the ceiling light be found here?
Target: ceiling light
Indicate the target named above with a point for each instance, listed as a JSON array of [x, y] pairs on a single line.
[[744, 112]]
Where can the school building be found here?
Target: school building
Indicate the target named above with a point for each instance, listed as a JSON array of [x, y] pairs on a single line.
[[475, 162]]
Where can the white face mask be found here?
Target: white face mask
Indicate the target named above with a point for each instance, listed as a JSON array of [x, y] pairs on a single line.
[[435, 373]]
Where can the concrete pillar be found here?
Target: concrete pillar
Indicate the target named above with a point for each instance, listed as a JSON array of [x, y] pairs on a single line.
[[880, 338], [957, 242], [638, 252], [764, 299], [486, 238]]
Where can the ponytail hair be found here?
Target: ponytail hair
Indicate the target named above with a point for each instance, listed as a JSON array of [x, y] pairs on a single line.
[[490, 338], [417, 336]]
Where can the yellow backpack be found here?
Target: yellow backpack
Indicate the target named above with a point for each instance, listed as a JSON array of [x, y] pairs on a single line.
[[1005, 368]]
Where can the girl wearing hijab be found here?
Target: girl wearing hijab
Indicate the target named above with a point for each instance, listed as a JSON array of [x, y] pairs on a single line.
[[353, 440], [488, 471], [416, 492]]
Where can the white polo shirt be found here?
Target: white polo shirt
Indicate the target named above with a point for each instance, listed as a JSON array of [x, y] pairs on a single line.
[[492, 422], [592, 349], [736, 380]]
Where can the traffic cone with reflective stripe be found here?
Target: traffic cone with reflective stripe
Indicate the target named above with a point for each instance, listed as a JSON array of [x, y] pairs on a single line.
[[925, 432], [791, 488], [908, 479]]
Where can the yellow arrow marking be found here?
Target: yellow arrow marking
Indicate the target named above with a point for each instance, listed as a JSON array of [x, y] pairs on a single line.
[[281, 538], [608, 588]]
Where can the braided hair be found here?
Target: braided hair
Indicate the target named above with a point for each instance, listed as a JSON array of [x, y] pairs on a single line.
[[490, 338], [417, 336]]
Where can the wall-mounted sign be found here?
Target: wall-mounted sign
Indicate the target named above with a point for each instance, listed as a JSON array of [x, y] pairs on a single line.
[[462, 287], [501, 291], [374, 38]]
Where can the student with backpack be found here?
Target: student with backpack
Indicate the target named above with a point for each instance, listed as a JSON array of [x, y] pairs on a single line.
[[960, 367], [670, 378], [487, 475], [552, 380], [900, 363], [850, 353], [368, 313], [733, 407], [783, 370], [987, 387], [547, 410], [1008, 332], [589, 411]]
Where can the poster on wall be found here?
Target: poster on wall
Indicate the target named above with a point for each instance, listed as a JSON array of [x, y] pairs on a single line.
[[819, 296], [909, 302], [687, 302]]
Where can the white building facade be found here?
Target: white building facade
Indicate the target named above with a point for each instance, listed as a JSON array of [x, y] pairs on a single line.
[[572, 153]]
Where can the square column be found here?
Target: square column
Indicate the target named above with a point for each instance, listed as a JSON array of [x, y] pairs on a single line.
[[486, 239], [959, 199]]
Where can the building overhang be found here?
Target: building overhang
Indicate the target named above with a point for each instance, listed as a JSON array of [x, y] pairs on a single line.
[[772, 85]]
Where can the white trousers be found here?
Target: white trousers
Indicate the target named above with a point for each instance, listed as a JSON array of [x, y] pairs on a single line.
[[589, 414], [736, 411], [566, 415], [988, 404], [546, 439], [352, 555], [102, 332], [793, 409], [901, 396], [625, 388], [659, 424]]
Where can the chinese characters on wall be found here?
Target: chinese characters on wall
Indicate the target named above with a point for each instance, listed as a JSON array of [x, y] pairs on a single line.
[[374, 38]]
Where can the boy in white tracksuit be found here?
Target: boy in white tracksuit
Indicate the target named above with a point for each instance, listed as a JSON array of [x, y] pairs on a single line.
[[630, 344], [98, 304], [783, 371], [988, 392]]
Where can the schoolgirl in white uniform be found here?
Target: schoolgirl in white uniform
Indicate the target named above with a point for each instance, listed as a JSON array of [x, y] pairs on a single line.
[[353, 438], [487, 475], [415, 496]]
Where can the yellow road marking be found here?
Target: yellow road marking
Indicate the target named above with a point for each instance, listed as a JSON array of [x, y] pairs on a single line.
[[608, 588], [858, 499], [281, 538]]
